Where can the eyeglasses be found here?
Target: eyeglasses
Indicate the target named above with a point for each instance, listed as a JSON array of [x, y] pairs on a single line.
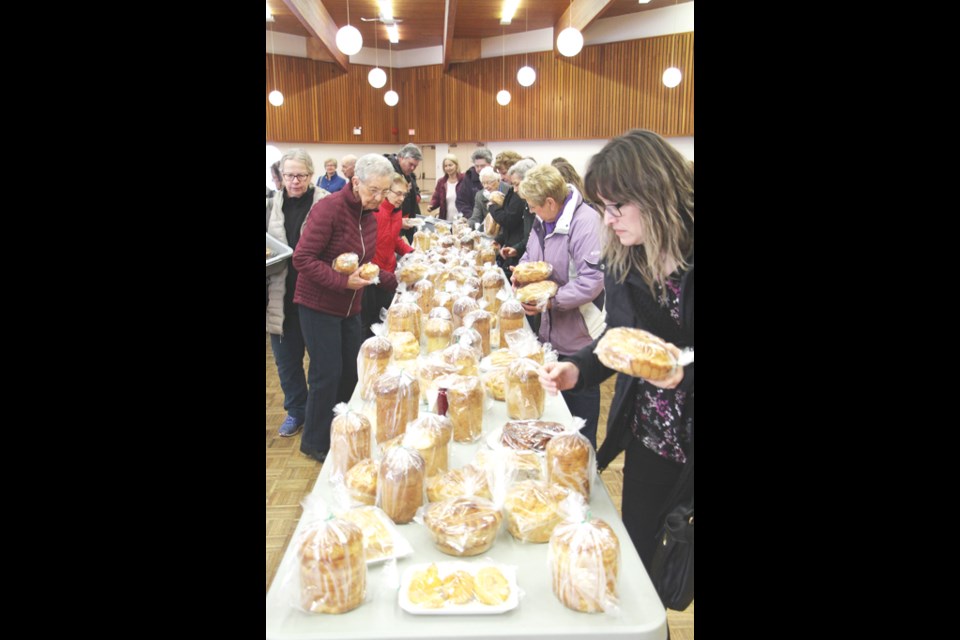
[[399, 194], [613, 209], [296, 176], [376, 193]]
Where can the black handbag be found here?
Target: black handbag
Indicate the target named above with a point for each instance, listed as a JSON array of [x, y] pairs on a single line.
[[672, 570]]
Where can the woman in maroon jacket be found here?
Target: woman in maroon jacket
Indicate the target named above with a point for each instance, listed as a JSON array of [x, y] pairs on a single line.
[[389, 243], [329, 305], [445, 195]]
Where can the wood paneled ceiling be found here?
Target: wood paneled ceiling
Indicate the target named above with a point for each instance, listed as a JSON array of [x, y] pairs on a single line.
[[423, 20]]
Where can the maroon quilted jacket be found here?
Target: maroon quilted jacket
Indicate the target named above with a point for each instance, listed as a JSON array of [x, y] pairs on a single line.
[[335, 225]]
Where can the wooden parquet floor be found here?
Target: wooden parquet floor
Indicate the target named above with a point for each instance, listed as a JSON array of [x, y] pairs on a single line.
[[291, 475]]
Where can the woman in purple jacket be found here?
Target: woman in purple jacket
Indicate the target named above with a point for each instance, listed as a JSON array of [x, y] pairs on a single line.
[[329, 300], [566, 233]]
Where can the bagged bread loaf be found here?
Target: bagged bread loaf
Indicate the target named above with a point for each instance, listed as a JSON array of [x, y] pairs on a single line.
[[528, 272], [400, 483], [524, 395], [571, 461], [463, 526], [349, 439], [346, 263], [332, 566], [398, 402], [636, 353]]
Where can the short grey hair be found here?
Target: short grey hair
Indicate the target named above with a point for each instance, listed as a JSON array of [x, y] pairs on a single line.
[[348, 159], [373, 165], [487, 174], [297, 155], [520, 169], [482, 153], [410, 151]]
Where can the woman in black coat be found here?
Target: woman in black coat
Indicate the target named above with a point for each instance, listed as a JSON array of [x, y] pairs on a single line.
[[646, 189]]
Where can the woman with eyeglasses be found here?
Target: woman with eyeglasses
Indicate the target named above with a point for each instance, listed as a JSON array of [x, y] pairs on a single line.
[[329, 300], [389, 243], [646, 188], [288, 209]]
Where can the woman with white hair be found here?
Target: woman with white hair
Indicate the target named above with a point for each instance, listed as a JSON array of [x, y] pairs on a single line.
[[330, 300], [491, 182], [287, 212], [513, 215]]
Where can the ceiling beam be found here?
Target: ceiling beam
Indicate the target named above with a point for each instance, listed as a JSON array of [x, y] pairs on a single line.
[[581, 13], [315, 19], [449, 20]]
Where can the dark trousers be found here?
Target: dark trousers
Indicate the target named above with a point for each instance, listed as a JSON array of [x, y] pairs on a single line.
[[648, 480], [288, 353], [333, 344], [374, 300], [585, 404]]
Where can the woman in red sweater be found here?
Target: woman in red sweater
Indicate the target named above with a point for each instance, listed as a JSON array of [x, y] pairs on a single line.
[[389, 244]]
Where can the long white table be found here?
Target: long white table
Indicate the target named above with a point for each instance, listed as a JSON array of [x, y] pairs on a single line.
[[540, 613]]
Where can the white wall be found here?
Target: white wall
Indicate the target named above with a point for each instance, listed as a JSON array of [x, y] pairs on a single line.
[[578, 152]]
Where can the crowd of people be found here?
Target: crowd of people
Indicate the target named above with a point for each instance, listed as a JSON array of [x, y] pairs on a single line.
[[620, 242]]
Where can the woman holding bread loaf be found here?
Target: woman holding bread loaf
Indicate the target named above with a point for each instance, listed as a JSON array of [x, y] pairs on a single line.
[[288, 210], [566, 237], [389, 243], [337, 242], [646, 189]]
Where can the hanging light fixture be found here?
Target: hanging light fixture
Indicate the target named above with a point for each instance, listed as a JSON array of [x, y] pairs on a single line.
[[526, 76], [503, 96], [349, 40], [391, 97], [672, 76], [570, 41], [275, 97], [377, 76]]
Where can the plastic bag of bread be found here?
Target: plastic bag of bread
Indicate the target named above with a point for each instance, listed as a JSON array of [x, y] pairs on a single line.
[[495, 383], [463, 526], [470, 480], [406, 345], [405, 314], [584, 558], [532, 510], [529, 435], [468, 241], [441, 227], [523, 343], [349, 440], [528, 272], [430, 436], [636, 353], [491, 282], [331, 569], [571, 461], [411, 271], [470, 337], [361, 481], [430, 369], [422, 240], [374, 357], [490, 226], [486, 254], [346, 263], [370, 271], [480, 321], [425, 288], [519, 465], [439, 332], [381, 538], [400, 483], [443, 300], [461, 307], [464, 356], [511, 315], [524, 395], [537, 294], [398, 402], [464, 406]]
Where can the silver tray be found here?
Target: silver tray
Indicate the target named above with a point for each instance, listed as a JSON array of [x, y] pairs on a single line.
[[281, 253]]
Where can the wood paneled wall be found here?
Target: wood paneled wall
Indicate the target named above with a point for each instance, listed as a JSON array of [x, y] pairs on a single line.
[[600, 93]]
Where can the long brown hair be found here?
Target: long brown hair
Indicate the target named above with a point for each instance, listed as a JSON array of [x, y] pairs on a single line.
[[643, 168]]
